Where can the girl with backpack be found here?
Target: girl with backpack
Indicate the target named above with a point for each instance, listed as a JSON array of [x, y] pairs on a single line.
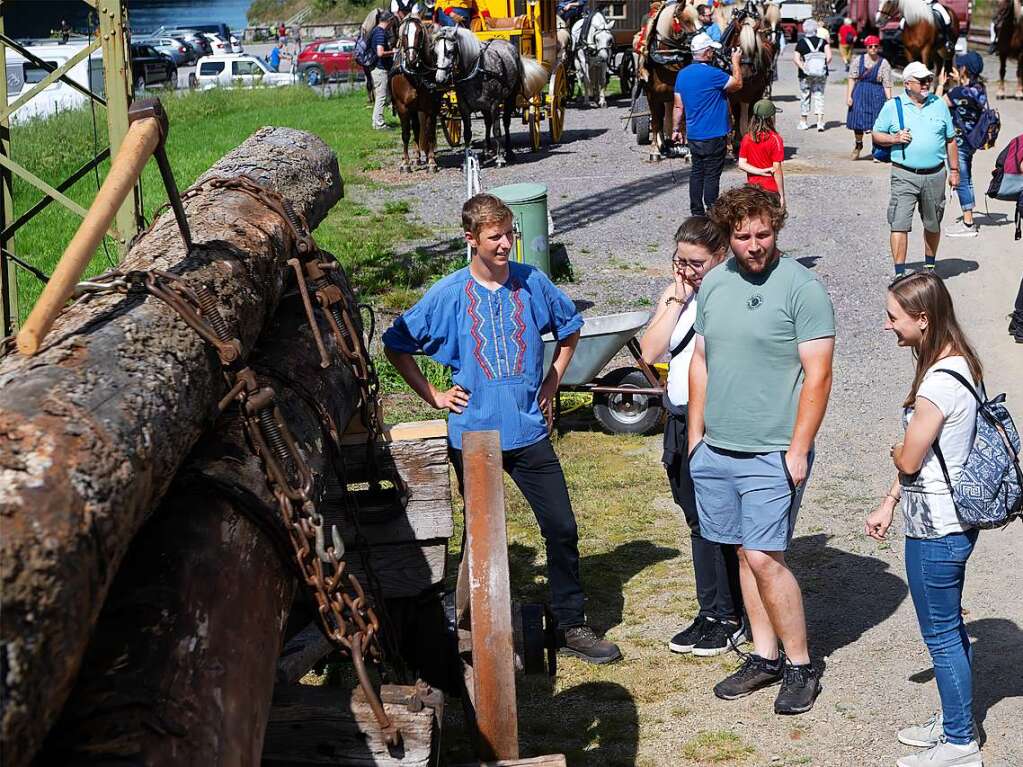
[[762, 151], [699, 247], [868, 87], [812, 57], [967, 101], [939, 410]]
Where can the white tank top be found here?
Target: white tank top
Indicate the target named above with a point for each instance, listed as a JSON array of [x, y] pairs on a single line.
[[678, 368]]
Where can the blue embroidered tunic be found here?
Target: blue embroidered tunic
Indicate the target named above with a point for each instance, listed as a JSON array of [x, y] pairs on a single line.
[[491, 341]]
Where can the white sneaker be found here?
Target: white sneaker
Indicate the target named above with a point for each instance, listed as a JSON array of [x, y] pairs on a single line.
[[923, 735], [945, 755], [961, 229], [802, 125]]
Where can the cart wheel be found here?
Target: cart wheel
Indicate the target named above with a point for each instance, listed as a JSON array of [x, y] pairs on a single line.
[[628, 413], [641, 124], [534, 129], [453, 131], [483, 601], [557, 97], [627, 74]]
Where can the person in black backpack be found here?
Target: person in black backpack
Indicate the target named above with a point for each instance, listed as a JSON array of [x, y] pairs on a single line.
[[939, 417], [966, 101], [699, 247]]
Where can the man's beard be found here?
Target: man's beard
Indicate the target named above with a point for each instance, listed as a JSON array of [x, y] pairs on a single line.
[[761, 265]]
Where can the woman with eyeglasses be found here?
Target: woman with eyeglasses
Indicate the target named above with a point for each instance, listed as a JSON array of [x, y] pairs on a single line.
[[699, 247], [869, 86]]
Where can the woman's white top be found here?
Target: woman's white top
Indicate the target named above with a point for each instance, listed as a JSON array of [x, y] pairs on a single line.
[[927, 508], [678, 368]]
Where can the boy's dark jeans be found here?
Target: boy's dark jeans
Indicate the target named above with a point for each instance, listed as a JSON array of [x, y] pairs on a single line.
[[536, 471], [708, 160]]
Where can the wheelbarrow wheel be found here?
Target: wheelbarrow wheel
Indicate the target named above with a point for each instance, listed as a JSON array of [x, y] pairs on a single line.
[[628, 413]]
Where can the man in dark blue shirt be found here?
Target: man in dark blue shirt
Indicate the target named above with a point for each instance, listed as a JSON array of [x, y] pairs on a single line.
[[701, 96], [380, 42]]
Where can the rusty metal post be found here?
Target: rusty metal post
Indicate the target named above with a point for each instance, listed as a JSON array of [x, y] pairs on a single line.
[[489, 597]]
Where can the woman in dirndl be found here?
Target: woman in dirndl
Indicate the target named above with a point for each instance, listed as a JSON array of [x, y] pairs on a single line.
[[869, 87]]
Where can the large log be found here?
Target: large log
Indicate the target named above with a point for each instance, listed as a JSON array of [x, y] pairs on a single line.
[[191, 631], [94, 427]]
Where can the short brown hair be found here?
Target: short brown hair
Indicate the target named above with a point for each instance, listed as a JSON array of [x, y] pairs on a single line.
[[743, 202], [700, 230], [481, 210]]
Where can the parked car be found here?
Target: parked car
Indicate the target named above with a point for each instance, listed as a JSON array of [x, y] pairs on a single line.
[[149, 67], [218, 43], [193, 37], [327, 60], [177, 49], [23, 73], [221, 30], [243, 70]]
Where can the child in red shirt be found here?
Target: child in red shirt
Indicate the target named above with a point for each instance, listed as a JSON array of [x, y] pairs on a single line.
[[762, 151]]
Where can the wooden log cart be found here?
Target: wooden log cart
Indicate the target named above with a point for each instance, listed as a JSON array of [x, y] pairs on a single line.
[[200, 501]]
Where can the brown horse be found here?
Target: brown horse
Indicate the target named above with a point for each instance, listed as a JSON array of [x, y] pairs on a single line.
[[416, 103], [1009, 30], [744, 32], [666, 51], [922, 36]]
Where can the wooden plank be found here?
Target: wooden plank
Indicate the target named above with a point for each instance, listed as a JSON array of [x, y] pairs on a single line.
[[552, 760], [302, 652], [404, 569], [422, 465], [399, 432], [327, 725]]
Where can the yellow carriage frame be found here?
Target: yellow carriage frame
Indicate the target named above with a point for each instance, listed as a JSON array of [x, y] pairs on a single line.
[[535, 33]]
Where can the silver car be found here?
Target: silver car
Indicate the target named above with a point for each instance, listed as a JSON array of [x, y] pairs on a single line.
[[177, 49]]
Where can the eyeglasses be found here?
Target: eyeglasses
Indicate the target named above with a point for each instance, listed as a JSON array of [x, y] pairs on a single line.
[[682, 265], [922, 80], [873, 47]]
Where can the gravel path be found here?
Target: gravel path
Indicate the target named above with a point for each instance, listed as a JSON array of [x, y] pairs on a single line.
[[615, 214]]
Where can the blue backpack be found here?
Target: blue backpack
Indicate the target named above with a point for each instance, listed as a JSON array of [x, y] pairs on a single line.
[[989, 491], [884, 153]]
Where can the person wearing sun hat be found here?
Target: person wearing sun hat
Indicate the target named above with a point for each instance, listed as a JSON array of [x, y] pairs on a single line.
[[701, 98], [922, 142], [967, 101], [869, 86]]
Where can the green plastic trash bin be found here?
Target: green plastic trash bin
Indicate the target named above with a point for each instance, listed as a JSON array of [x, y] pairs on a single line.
[[528, 203]]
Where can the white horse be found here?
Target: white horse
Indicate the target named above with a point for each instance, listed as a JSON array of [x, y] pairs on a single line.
[[593, 57]]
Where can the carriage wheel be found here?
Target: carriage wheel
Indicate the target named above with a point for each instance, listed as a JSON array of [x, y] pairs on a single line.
[[556, 98], [533, 119], [627, 74], [484, 591], [453, 131]]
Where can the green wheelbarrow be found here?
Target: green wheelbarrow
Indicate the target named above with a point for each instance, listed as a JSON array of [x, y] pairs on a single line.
[[628, 399]]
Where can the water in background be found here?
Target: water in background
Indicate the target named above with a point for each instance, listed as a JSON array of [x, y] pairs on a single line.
[[36, 18]]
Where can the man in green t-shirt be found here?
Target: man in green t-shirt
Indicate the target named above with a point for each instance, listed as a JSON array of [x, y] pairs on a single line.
[[759, 384]]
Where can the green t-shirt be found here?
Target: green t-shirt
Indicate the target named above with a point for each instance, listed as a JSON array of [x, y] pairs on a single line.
[[752, 326]]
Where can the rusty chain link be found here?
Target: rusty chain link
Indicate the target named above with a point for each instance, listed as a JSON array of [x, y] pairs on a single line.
[[346, 615]]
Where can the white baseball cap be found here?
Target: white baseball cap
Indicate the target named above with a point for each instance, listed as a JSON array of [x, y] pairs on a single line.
[[702, 42], [916, 70]]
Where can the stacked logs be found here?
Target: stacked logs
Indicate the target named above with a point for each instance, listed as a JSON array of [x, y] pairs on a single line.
[[143, 603]]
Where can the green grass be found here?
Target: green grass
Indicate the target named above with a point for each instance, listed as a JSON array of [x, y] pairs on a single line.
[[204, 127], [717, 747]]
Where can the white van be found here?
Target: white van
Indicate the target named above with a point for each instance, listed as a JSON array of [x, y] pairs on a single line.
[[240, 70], [59, 96]]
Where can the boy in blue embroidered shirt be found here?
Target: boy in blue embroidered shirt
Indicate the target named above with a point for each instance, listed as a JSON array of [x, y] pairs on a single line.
[[485, 322]]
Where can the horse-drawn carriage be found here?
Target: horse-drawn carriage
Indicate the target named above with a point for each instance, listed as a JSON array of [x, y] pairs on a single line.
[[533, 32]]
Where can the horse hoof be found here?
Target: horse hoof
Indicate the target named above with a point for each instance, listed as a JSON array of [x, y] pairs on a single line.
[[404, 168], [431, 167]]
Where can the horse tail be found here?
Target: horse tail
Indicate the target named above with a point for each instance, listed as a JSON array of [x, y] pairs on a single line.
[[748, 42], [534, 76]]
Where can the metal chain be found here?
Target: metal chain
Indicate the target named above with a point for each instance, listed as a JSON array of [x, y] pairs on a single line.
[[347, 616]]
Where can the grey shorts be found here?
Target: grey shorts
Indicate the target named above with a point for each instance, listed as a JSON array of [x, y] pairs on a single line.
[[910, 190], [746, 499]]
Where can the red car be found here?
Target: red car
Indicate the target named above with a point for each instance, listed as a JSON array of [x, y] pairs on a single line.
[[324, 60]]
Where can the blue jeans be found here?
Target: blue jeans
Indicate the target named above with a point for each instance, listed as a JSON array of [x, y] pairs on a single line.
[[936, 570], [965, 189]]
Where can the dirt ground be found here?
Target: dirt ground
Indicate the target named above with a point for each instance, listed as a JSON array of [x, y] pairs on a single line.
[[614, 212]]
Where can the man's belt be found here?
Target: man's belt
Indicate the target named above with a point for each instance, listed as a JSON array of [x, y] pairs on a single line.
[[920, 171]]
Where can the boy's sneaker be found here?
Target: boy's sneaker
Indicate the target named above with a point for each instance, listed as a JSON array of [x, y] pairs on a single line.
[[802, 125], [799, 689], [582, 642], [684, 640], [720, 637], [961, 229], [754, 674], [929, 733], [945, 755]]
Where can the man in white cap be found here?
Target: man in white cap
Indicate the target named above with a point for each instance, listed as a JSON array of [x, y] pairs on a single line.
[[922, 142], [701, 98]]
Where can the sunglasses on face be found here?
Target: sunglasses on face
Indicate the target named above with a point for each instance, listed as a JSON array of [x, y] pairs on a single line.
[[923, 80], [873, 47]]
